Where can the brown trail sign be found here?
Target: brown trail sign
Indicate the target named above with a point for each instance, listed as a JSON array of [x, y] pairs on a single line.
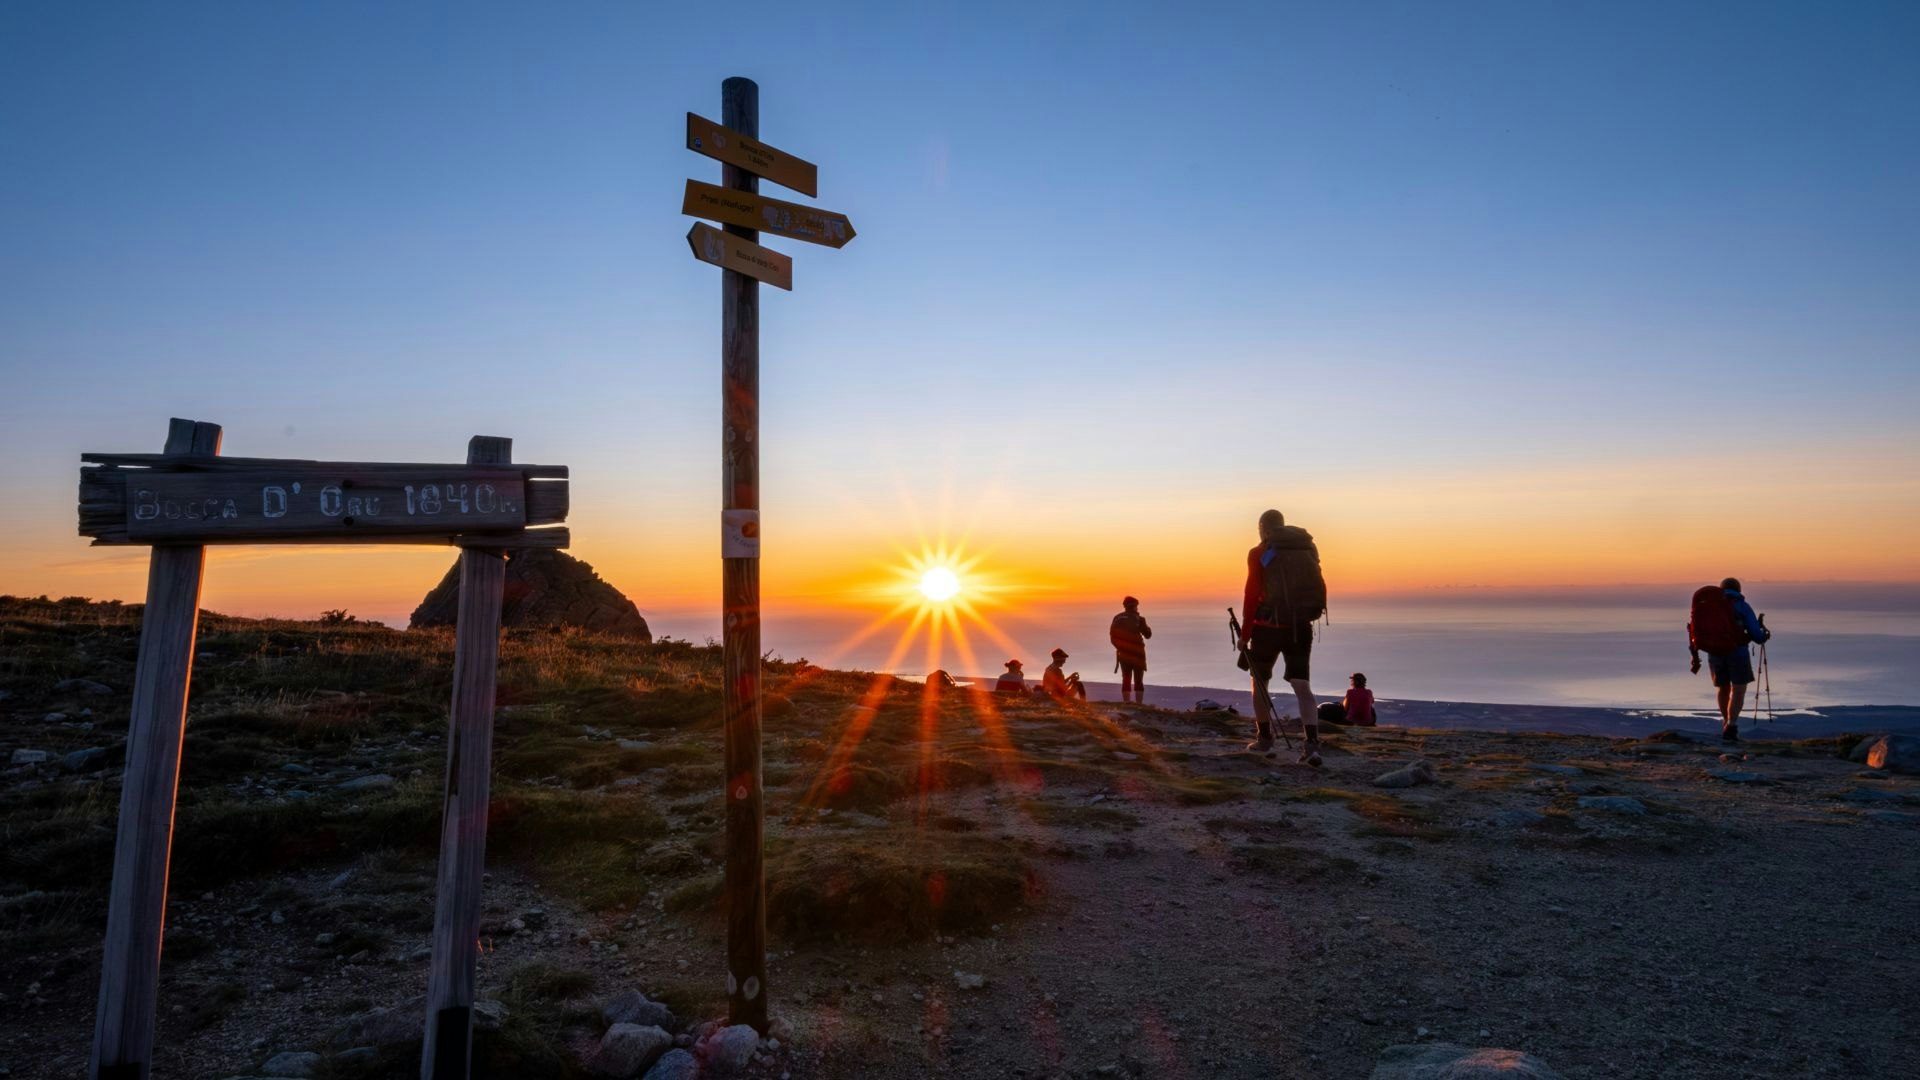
[[187, 497], [729, 252], [737, 204]]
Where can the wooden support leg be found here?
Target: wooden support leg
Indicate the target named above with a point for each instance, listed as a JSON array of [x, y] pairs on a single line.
[[463, 828], [156, 724]]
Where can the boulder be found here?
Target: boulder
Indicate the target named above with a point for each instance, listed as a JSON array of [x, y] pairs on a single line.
[[384, 1026], [1409, 775], [727, 1050], [1446, 1061], [489, 1015], [24, 756], [545, 588], [632, 1007], [92, 757], [675, 1065], [1518, 819], [291, 1063], [1895, 753], [626, 1050], [1735, 776], [82, 686], [375, 782]]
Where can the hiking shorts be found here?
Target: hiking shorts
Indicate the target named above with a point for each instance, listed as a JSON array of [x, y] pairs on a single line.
[[1731, 669], [1271, 643]]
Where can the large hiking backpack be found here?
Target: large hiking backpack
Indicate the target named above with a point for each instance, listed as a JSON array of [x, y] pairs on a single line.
[[1714, 628], [1295, 590]]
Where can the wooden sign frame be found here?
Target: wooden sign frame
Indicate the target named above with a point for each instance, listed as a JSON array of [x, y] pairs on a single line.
[[186, 497]]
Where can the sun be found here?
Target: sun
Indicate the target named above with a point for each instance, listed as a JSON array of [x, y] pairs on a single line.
[[939, 584]]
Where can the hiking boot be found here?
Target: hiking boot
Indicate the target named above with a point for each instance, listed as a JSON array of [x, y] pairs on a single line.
[[1310, 753], [1262, 738], [1730, 734]]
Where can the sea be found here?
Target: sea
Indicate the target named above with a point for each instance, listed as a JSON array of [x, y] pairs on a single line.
[[1834, 644]]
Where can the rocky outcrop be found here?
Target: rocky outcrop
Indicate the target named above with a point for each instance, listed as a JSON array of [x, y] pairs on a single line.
[[544, 588], [1445, 1061]]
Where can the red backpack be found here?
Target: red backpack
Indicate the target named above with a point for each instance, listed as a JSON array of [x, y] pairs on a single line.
[[1714, 629]]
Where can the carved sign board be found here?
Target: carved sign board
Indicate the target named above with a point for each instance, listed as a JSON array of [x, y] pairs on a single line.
[[751, 154], [317, 503], [750, 211], [741, 256]]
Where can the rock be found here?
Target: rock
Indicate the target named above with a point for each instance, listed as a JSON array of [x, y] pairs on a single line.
[[54, 718], [627, 1049], [1518, 819], [296, 768], [295, 1063], [633, 1007], [967, 981], [1895, 753], [544, 588], [633, 744], [728, 1050], [1559, 770], [82, 686], [375, 782], [24, 756], [1613, 804], [1447, 1061], [1858, 755], [1409, 775], [488, 1015], [377, 1027], [675, 1065], [1735, 776], [92, 757], [323, 939]]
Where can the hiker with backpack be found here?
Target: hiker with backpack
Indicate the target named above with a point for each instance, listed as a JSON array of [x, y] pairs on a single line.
[[1722, 625], [1129, 634], [1285, 595]]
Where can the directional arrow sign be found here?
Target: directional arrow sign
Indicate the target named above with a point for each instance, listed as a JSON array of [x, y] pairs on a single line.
[[743, 256], [769, 215], [752, 155]]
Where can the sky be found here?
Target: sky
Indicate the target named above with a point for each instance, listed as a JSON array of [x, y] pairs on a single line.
[[1482, 294]]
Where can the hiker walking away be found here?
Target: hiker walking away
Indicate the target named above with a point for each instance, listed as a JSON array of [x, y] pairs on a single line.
[[1129, 634], [1357, 706], [1722, 625], [1057, 683], [1012, 681], [1285, 594]]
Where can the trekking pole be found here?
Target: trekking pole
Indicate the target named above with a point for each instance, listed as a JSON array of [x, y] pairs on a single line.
[[1246, 664]]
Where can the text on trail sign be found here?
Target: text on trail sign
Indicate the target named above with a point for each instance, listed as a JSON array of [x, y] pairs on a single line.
[[740, 255], [751, 211], [728, 145]]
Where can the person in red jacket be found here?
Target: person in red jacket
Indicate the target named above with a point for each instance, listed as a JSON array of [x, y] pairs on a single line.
[[1357, 707], [1285, 594]]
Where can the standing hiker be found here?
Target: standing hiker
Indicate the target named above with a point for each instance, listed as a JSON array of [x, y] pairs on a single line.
[[1722, 625], [1129, 634], [1057, 684], [1285, 594]]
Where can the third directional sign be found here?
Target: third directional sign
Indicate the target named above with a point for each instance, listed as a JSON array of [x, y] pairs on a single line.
[[741, 256], [752, 155], [752, 211]]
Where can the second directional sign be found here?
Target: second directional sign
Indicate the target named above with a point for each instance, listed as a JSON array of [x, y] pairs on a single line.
[[751, 211]]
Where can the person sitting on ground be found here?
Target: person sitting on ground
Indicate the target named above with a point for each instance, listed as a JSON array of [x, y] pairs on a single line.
[[1013, 680], [1722, 626], [1129, 634], [1057, 683], [1358, 704]]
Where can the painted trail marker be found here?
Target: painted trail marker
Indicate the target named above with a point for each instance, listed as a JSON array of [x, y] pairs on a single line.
[[187, 497], [729, 146], [738, 206], [729, 252]]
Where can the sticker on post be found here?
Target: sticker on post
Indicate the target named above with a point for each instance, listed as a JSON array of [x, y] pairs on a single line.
[[739, 534]]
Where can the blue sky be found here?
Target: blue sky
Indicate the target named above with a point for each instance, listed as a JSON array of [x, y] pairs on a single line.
[[1101, 246]]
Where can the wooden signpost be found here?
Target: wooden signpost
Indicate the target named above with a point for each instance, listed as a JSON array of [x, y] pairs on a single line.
[[188, 497], [737, 205]]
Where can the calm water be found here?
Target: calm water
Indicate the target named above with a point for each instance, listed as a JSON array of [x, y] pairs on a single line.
[[1860, 647]]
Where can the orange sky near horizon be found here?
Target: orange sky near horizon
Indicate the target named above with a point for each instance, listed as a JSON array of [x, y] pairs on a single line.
[[1847, 514]]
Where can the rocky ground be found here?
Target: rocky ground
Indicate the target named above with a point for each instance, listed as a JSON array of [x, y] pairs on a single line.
[[959, 885]]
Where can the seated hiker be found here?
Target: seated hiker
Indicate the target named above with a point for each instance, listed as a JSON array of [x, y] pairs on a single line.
[[1358, 703], [1013, 680], [1057, 683]]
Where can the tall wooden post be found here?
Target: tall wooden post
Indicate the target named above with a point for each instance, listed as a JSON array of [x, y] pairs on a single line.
[[740, 578], [463, 826], [137, 905]]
